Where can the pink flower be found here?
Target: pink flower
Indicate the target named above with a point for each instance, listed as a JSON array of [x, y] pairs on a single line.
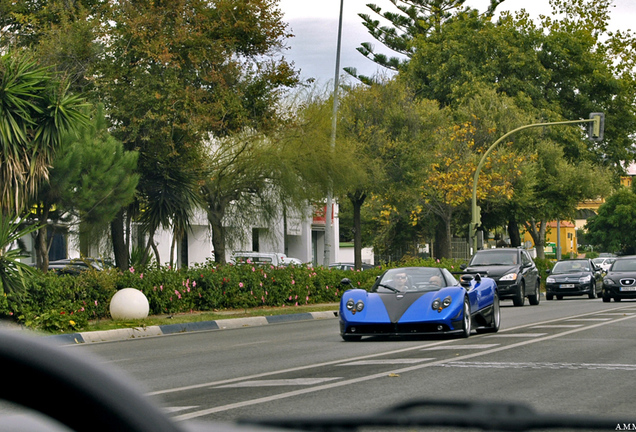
[[131, 269], [194, 284], [240, 284], [290, 297], [160, 287], [141, 276], [95, 302], [296, 303], [253, 269]]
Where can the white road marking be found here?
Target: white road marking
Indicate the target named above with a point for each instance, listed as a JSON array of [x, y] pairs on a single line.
[[177, 408], [520, 335], [558, 326], [539, 365], [462, 347], [383, 374], [280, 382], [386, 361], [590, 319]]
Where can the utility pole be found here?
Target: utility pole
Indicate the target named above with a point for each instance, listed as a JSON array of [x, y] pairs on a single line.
[[334, 122]]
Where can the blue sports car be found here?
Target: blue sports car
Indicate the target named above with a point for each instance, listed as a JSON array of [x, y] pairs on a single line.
[[419, 301]]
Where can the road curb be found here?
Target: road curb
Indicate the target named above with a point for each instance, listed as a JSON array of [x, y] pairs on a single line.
[[168, 329]]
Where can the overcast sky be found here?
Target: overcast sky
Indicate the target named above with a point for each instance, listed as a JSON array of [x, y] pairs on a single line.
[[315, 26]]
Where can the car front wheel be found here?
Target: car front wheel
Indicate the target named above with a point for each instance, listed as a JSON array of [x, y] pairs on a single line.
[[466, 323], [592, 293], [520, 298]]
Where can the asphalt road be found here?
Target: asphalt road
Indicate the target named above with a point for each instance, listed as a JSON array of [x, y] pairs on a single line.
[[571, 356]]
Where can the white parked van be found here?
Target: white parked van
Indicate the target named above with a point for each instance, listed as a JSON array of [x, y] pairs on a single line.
[[272, 258]]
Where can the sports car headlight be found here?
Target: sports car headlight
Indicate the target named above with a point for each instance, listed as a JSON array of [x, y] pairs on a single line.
[[585, 279], [438, 304], [549, 279], [359, 305], [509, 277], [350, 304]]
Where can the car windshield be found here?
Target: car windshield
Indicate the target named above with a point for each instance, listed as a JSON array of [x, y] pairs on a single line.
[[412, 279], [624, 265], [495, 258], [570, 267]]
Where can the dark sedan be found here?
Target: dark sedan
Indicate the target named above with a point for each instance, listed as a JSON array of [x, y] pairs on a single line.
[[573, 278], [620, 281]]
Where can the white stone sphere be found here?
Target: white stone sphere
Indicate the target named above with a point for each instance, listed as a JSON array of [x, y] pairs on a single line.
[[129, 303]]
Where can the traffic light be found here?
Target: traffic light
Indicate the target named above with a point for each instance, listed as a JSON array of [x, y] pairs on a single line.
[[595, 128]]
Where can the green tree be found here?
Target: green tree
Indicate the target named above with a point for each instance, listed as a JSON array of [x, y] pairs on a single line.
[[35, 111], [409, 20], [174, 74], [550, 82], [387, 127], [12, 271], [612, 229], [91, 178]]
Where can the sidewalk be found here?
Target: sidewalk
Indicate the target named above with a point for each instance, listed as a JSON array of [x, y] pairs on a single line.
[[160, 330]]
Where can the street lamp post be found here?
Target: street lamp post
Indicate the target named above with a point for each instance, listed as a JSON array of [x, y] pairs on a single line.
[[334, 121], [596, 133]]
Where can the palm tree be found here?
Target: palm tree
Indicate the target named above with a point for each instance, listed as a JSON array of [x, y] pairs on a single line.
[[35, 111], [12, 271]]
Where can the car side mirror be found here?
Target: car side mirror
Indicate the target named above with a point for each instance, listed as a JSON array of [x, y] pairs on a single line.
[[547, 271], [463, 266]]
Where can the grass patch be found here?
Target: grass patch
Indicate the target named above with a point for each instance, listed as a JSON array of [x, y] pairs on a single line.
[[180, 318]]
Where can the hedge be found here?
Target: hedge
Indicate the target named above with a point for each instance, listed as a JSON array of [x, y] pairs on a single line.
[[68, 303]]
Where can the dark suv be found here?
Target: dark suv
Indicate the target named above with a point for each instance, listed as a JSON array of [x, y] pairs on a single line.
[[514, 271]]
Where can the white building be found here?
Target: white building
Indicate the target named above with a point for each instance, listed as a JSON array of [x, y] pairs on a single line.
[[301, 237]]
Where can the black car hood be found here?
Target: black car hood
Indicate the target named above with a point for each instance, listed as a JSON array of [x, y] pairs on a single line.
[[574, 276], [494, 271], [621, 275]]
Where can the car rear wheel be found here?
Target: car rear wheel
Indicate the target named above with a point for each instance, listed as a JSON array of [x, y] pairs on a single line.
[[495, 322], [520, 298], [549, 296], [466, 322], [606, 298]]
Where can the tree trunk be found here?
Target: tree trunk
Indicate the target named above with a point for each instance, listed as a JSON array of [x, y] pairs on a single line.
[[513, 232], [41, 249], [216, 211], [120, 250], [357, 199], [538, 236], [218, 242]]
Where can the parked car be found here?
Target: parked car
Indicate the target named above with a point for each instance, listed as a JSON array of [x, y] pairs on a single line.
[[349, 266], [410, 301], [604, 262], [514, 271], [573, 278], [75, 266], [620, 281]]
